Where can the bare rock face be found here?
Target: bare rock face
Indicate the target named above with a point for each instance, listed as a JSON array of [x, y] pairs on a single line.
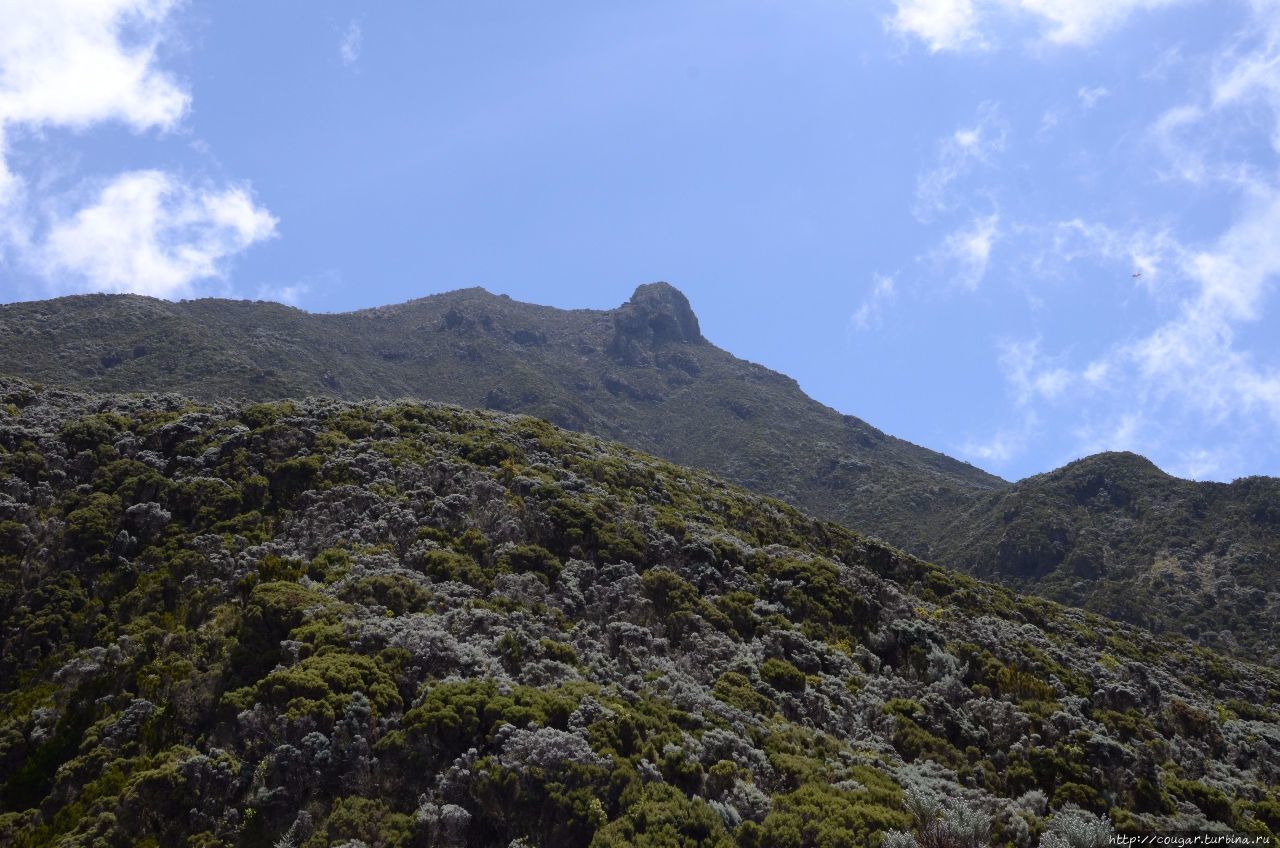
[[657, 314]]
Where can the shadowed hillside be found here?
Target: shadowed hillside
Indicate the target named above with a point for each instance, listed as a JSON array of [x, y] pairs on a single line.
[[1117, 535]]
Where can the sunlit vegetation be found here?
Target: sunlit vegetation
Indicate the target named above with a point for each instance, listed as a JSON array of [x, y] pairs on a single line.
[[389, 624]]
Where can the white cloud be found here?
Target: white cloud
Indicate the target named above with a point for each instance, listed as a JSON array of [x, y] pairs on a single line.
[[1028, 375], [1049, 121], [868, 314], [1089, 97], [958, 155], [1186, 374], [1007, 444], [75, 64], [1193, 378], [148, 234], [1081, 22], [1141, 252], [941, 24], [66, 63], [969, 250], [1127, 430], [1096, 373], [1204, 463], [1165, 64], [290, 294], [1193, 357], [352, 41], [968, 24]]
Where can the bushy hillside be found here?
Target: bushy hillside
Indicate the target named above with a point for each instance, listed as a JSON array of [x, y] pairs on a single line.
[[1115, 534], [395, 624], [641, 374], [1118, 536]]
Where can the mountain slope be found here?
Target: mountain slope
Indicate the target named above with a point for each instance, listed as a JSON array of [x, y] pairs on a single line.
[[1112, 533], [413, 625], [642, 374], [1116, 535]]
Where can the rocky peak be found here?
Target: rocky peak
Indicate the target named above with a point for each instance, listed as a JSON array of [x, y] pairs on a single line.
[[666, 311], [657, 314]]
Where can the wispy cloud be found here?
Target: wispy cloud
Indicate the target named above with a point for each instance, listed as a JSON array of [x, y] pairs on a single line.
[[290, 294], [1192, 361], [959, 153], [1146, 253], [70, 64], [966, 252], [1091, 96], [1082, 22], [1005, 445], [1027, 374], [1049, 121], [350, 45], [952, 25], [941, 24], [867, 315], [1165, 64], [1190, 369], [1187, 373], [1205, 463]]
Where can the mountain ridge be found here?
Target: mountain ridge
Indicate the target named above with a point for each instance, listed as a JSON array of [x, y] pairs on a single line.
[[608, 365], [644, 374]]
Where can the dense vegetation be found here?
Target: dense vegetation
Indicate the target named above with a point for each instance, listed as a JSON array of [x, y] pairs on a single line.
[[641, 374], [396, 624], [1112, 533], [1116, 535]]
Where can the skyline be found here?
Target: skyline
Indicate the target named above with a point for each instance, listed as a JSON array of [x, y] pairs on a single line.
[[1001, 230]]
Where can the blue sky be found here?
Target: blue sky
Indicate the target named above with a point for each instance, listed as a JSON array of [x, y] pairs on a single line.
[[929, 212]]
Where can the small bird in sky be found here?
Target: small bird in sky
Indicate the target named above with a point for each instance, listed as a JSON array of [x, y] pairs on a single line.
[[1136, 274]]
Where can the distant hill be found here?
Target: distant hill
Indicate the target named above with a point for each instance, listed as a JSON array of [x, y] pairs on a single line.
[[1111, 532], [405, 624], [1115, 534]]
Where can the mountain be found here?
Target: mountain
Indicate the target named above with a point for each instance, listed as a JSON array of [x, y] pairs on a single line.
[[407, 624], [1115, 534], [642, 374], [1111, 532]]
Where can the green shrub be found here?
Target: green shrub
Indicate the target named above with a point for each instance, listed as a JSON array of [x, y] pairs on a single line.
[[92, 528], [781, 674], [396, 592], [369, 820], [321, 687], [93, 431], [272, 612], [294, 476], [1085, 797], [453, 716], [559, 651], [664, 817], [532, 558], [821, 816], [444, 566], [736, 690], [1213, 802]]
